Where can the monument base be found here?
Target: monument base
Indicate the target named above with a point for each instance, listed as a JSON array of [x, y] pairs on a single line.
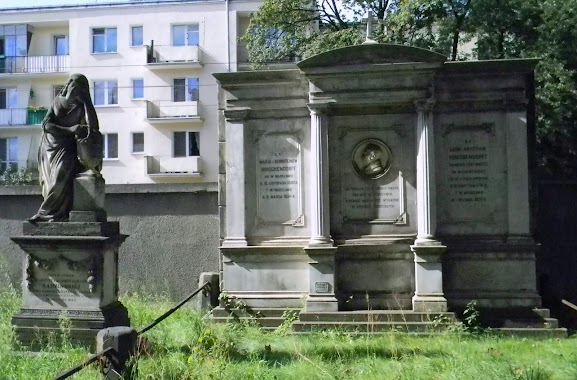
[[37, 328], [70, 285]]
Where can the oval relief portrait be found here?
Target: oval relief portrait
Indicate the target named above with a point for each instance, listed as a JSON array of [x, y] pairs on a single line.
[[372, 158]]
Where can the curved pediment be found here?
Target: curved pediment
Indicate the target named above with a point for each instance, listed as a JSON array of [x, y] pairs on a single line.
[[371, 54]]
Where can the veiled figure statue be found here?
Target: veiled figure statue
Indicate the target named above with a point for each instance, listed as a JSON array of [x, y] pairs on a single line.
[[71, 144]]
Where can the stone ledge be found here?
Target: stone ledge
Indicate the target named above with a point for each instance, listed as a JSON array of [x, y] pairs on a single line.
[[124, 188]]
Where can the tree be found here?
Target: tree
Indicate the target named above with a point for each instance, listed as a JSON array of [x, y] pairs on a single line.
[[543, 29]]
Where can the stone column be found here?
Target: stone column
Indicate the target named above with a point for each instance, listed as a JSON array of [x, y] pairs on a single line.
[[427, 250], [320, 250], [235, 178], [319, 169]]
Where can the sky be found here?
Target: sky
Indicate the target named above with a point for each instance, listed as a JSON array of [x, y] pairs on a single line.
[[36, 3]]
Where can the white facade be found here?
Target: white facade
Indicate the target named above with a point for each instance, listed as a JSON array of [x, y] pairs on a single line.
[[150, 68]]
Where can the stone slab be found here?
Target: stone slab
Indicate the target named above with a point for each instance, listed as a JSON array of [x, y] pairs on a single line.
[[71, 229]]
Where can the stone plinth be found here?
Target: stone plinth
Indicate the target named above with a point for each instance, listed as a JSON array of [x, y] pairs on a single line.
[[70, 271]]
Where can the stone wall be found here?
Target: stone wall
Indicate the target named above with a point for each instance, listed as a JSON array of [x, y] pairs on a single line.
[[173, 234]]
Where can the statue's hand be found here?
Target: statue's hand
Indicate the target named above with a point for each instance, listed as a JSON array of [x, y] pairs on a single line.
[[80, 131]]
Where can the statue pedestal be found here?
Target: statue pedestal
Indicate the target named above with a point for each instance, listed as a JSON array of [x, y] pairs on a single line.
[[70, 271]]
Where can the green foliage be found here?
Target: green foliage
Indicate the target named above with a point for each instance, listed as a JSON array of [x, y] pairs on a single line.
[[187, 346], [496, 29], [14, 176]]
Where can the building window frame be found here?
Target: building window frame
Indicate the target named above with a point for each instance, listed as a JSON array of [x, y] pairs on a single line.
[[109, 37], [133, 146], [9, 155], [109, 95], [185, 34], [110, 146], [137, 88], [185, 89], [185, 144], [55, 39], [135, 39]]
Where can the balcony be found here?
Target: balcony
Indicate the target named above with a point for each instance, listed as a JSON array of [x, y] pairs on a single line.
[[168, 57], [171, 167], [18, 117], [13, 117], [47, 64], [171, 112]]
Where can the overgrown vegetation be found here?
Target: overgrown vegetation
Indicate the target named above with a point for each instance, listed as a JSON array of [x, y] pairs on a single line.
[[186, 346], [14, 176], [544, 29]]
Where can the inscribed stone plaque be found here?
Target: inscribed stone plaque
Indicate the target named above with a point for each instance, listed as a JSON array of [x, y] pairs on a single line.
[[372, 185], [61, 282], [278, 179], [467, 172]]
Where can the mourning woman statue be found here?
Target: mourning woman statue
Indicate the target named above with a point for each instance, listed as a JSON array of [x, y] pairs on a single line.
[[71, 144]]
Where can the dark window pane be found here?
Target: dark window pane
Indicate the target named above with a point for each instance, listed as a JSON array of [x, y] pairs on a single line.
[[138, 142], [2, 99], [192, 144], [112, 145], [179, 90], [179, 144], [3, 150]]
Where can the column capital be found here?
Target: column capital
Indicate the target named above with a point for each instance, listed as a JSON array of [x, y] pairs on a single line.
[[236, 113], [321, 108], [424, 105]]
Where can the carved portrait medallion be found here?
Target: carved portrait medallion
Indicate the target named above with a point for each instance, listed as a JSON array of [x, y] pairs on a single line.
[[371, 158]]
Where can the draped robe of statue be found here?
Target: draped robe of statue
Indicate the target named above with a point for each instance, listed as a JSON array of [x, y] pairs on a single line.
[[58, 155]]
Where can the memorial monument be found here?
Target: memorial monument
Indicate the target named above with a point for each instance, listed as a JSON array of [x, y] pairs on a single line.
[[378, 177], [70, 268]]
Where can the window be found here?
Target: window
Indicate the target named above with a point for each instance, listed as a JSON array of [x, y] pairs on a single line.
[[138, 142], [137, 88], [104, 40], [8, 154], [56, 90], [185, 35], [60, 45], [136, 36], [105, 92], [8, 98], [110, 145], [186, 144], [185, 89]]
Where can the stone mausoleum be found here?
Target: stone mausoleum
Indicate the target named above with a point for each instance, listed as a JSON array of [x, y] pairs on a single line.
[[378, 177]]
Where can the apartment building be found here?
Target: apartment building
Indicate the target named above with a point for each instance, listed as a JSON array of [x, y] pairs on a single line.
[[150, 66]]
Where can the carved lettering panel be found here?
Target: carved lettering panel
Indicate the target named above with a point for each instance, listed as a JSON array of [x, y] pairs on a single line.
[[279, 178], [467, 170]]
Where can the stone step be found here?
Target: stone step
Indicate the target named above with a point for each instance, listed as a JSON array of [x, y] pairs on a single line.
[[377, 316], [264, 322], [354, 327], [550, 323], [533, 332], [220, 312]]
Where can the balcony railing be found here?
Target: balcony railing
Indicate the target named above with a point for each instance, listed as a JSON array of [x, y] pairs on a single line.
[[36, 116], [172, 111], [166, 56], [13, 116], [165, 166], [35, 64]]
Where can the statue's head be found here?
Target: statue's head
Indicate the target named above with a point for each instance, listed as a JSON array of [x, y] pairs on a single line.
[[76, 87]]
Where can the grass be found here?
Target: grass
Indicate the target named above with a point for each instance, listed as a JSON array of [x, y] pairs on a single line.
[[186, 346]]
